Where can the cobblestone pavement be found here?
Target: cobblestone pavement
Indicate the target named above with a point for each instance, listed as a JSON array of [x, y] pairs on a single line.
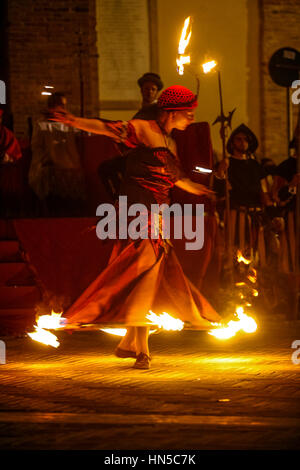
[[200, 393]]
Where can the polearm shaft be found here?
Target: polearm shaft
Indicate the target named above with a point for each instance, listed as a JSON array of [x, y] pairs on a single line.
[[227, 198], [297, 214]]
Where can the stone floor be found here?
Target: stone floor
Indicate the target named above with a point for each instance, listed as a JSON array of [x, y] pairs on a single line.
[[200, 393]]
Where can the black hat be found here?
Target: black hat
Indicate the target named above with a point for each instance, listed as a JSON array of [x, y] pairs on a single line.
[[251, 137], [151, 77]]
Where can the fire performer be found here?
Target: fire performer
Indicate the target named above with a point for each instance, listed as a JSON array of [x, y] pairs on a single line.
[[143, 274]]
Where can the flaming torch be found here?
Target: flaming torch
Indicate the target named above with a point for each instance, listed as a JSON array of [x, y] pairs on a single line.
[[243, 322], [48, 322], [185, 37], [163, 321]]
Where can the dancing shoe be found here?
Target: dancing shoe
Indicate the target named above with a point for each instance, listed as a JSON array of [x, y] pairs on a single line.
[[142, 361], [119, 352]]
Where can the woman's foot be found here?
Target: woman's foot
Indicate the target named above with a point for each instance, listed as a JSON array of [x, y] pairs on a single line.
[[119, 352], [142, 361]]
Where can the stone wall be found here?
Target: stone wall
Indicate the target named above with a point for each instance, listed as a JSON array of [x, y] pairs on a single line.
[[43, 42], [280, 26]]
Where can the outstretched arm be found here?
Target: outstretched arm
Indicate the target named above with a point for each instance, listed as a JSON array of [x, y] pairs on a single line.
[[117, 130]]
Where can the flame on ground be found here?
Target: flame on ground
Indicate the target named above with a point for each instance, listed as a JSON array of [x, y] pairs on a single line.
[[48, 322], [245, 323], [183, 42]]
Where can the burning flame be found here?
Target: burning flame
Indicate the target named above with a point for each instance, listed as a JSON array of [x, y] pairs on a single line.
[[183, 42], [245, 323], [48, 322], [252, 276], [165, 321], [118, 331], [208, 66], [45, 337], [241, 259]]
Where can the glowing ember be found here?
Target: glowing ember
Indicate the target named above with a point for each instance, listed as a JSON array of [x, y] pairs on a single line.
[[208, 66], [183, 42], [245, 323], [165, 321], [48, 322], [241, 259]]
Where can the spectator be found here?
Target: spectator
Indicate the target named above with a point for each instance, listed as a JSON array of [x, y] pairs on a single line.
[[55, 173], [150, 85], [10, 175]]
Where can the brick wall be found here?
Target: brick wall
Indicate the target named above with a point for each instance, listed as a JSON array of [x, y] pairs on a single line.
[[280, 26], [42, 38]]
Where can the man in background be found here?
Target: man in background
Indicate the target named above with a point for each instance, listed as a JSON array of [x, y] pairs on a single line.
[[150, 85], [56, 174]]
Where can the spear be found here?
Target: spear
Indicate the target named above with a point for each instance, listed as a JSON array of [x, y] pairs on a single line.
[[297, 254], [225, 121]]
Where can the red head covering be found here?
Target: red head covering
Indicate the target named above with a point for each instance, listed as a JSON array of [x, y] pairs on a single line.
[[177, 98]]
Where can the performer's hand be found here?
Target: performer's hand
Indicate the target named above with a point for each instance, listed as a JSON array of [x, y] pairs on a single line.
[[222, 168], [61, 115]]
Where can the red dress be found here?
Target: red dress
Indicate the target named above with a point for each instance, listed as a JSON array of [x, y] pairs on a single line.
[[144, 274]]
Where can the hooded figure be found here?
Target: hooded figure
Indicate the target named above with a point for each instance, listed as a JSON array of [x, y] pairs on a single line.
[[248, 191], [251, 138]]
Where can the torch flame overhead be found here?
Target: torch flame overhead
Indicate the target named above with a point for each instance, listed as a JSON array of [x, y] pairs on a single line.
[[245, 323], [208, 66], [183, 42], [44, 323], [165, 321]]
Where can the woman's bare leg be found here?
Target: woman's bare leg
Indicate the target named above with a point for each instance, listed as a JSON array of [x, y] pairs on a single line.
[[142, 335], [128, 342]]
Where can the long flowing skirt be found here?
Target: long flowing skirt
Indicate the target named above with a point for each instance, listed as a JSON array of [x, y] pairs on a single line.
[[141, 275]]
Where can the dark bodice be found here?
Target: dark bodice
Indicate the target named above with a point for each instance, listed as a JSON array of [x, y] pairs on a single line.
[[150, 174]]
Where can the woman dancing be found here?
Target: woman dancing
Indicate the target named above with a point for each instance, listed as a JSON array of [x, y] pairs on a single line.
[[144, 274]]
